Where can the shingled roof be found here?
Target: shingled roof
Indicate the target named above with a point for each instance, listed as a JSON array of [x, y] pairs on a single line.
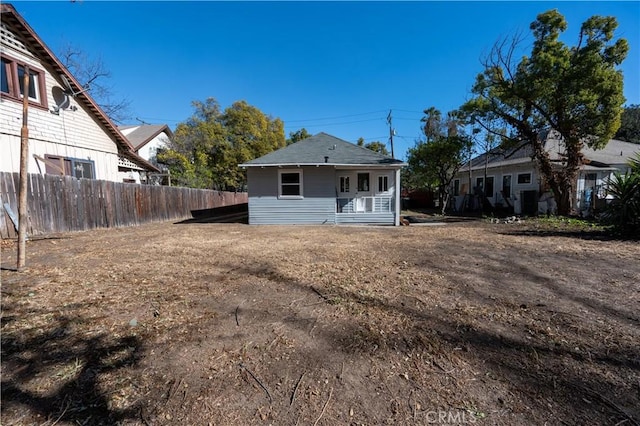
[[143, 134], [614, 153], [323, 150]]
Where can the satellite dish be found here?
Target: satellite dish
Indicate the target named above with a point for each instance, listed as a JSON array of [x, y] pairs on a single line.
[[68, 88], [60, 98]]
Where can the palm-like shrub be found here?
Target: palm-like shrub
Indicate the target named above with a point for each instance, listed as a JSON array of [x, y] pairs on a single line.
[[624, 210]]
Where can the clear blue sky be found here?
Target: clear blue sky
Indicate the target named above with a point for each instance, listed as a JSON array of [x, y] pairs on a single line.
[[334, 67]]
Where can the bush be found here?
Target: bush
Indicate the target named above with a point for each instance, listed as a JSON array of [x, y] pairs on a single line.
[[623, 213]]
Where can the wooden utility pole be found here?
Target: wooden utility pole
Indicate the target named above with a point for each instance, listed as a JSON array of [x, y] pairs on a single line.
[[391, 131], [24, 158]]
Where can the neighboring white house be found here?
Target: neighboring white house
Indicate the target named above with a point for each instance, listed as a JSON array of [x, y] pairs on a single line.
[[147, 139], [324, 180], [69, 134], [514, 181]]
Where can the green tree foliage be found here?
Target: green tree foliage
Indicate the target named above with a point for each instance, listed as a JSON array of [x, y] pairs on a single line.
[[624, 210], [436, 159], [298, 136], [207, 148], [378, 147], [576, 91], [629, 124]]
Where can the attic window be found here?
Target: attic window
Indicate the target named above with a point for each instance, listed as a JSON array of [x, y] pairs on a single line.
[[12, 82], [289, 183]]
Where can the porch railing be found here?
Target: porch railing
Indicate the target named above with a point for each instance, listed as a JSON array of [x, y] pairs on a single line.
[[365, 205]]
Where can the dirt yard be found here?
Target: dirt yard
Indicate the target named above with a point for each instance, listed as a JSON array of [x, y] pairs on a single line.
[[230, 324]]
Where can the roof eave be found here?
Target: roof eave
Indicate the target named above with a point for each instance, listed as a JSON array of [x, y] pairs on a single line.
[[124, 147], [363, 165]]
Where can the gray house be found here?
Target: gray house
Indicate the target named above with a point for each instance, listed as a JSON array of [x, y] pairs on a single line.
[[324, 180]]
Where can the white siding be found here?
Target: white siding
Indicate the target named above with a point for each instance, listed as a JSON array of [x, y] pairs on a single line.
[[73, 134]]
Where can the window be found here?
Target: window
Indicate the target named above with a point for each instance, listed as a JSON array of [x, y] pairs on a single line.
[[344, 183], [488, 190], [290, 183], [506, 186], [383, 183], [83, 169], [70, 167], [12, 82], [524, 178], [4, 73], [363, 182], [456, 187]]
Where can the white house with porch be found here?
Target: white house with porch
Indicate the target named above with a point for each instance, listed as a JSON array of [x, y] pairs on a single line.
[[513, 180]]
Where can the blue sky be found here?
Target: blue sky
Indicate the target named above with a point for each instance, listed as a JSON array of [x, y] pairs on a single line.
[[334, 67]]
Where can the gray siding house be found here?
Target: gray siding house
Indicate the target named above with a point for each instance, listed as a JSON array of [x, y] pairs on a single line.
[[324, 180]]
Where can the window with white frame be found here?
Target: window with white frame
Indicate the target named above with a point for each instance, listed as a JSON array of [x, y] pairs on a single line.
[[383, 183], [344, 184], [363, 182], [290, 183], [12, 82]]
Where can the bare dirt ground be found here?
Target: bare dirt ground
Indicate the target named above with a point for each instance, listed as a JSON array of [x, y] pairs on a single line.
[[230, 324]]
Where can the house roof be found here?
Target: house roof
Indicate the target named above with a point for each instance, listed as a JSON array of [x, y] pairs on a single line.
[[13, 19], [140, 135], [324, 150], [614, 153]]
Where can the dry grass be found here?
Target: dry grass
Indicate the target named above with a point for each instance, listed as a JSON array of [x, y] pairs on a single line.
[[235, 324]]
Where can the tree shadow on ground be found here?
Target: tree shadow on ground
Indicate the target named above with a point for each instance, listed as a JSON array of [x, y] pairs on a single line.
[[538, 372], [74, 368], [595, 235]]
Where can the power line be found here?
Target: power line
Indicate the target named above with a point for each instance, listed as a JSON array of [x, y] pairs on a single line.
[[334, 118], [333, 124]]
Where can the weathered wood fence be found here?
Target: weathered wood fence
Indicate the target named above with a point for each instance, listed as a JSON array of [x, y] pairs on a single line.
[[64, 203]]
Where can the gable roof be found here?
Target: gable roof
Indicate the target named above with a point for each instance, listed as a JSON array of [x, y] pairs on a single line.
[[13, 19], [614, 153], [143, 134], [323, 150]]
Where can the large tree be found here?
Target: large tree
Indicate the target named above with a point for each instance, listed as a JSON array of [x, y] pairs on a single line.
[[574, 90], [436, 159], [207, 148], [629, 124]]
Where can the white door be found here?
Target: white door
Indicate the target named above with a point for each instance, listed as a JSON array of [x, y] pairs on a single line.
[[363, 192]]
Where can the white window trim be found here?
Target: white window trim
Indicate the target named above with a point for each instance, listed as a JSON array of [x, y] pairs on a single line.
[[388, 191], [290, 197], [349, 179]]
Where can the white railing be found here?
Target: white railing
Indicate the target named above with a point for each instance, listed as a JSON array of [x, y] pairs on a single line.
[[365, 205]]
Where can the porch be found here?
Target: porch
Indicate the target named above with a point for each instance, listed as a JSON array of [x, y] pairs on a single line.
[[366, 210]]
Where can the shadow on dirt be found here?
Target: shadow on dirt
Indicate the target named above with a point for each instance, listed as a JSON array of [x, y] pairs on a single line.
[[578, 234], [538, 372], [77, 363]]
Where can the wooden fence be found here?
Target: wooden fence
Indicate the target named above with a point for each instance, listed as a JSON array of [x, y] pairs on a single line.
[[64, 203]]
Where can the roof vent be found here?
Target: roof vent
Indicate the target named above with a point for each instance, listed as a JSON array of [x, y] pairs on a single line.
[[326, 159]]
